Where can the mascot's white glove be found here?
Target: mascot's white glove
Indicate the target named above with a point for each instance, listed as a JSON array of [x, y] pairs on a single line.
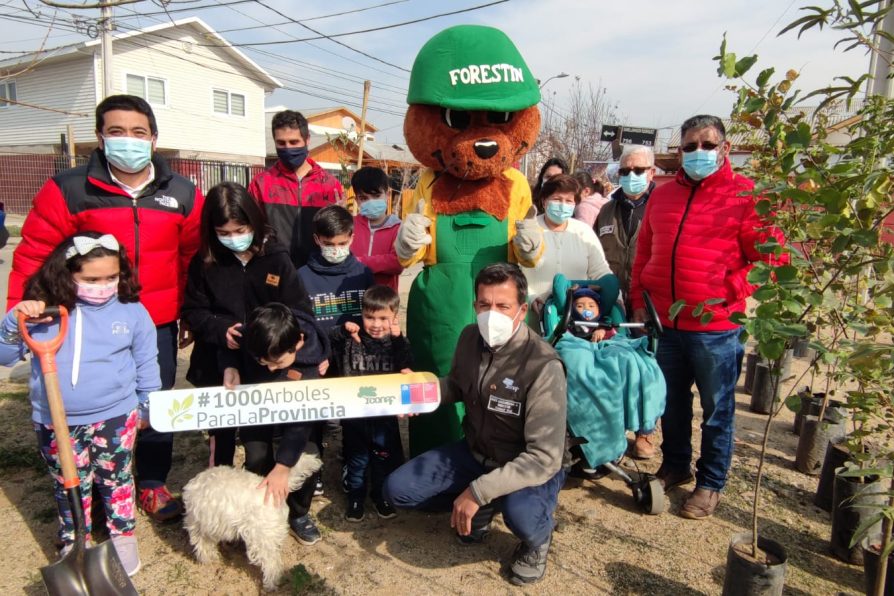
[[413, 233], [528, 239]]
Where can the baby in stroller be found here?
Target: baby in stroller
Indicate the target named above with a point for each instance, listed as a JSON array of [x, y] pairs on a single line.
[[614, 382], [586, 308]]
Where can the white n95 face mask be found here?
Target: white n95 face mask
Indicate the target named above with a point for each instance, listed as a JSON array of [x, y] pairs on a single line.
[[496, 328]]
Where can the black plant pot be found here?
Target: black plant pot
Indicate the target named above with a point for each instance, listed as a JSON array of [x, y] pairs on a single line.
[[815, 438], [837, 454], [801, 348], [852, 504], [751, 361], [871, 558], [811, 406], [762, 394], [746, 577]]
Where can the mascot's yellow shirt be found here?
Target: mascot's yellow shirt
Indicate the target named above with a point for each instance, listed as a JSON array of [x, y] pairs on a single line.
[[519, 203]]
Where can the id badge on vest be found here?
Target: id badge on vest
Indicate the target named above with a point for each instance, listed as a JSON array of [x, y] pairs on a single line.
[[502, 405]]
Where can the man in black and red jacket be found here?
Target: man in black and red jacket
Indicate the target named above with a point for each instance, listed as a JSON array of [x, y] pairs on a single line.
[[154, 213]]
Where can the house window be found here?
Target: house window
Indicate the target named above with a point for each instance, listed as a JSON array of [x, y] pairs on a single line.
[[151, 89], [7, 92], [229, 103]]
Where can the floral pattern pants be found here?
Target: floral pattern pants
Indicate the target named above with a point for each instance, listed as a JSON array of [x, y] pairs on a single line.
[[103, 456]]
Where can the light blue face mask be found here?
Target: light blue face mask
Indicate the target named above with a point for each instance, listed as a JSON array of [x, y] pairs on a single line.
[[127, 153], [238, 242], [700, 164], [634, 185], [558, 212], [373, 208]]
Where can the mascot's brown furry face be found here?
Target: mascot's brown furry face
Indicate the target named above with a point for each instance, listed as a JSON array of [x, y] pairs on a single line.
[[470, 149]]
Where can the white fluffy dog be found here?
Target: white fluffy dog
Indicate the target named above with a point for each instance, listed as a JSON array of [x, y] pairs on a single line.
[[223, 504]]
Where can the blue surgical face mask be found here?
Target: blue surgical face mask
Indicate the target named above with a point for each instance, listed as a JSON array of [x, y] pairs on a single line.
[[634, 185], [700, 164], [373, 208], [292, 157], [127, 153], [558, 212], [237, 242]]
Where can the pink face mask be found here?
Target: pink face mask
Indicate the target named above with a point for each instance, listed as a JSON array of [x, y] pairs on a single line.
[[97, 293]]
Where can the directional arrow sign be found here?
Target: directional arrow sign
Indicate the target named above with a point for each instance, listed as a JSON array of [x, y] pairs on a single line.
[[609, 133]]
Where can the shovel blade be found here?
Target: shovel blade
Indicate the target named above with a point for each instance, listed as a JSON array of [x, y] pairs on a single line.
[[94, 571]]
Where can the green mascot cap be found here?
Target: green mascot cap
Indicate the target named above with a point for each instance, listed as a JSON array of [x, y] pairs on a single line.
[[470, 67]]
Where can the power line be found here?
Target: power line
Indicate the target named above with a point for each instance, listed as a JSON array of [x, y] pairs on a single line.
[[319, 18], [330, 38]]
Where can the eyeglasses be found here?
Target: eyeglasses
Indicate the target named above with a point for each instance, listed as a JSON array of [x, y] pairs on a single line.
[[690, 147], [639, 171]]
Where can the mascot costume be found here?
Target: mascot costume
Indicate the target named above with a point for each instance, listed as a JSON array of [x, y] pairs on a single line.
[[473, 113]]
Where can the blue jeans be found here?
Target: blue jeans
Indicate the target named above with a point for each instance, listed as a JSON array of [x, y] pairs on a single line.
[[372, 443], [432, 481], [713, 360]]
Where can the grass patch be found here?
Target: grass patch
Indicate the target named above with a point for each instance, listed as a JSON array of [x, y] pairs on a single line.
[[12, 458], [14, 230], [21, 396], [303, 581]]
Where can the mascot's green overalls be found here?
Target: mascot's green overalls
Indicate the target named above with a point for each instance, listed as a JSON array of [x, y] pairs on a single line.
[[441, 299]]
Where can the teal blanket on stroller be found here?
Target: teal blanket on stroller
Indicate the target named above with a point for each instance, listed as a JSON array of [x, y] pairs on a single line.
[[613, 386]]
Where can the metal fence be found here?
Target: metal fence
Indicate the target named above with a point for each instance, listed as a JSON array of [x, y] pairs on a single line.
[[22, 174]]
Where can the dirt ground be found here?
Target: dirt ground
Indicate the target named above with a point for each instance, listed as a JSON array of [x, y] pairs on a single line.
[[603, 544]]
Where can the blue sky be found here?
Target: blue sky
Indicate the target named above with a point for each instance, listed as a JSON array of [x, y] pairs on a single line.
[[652, 56]]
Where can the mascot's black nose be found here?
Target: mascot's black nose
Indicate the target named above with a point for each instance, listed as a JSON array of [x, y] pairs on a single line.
[[485, 148]]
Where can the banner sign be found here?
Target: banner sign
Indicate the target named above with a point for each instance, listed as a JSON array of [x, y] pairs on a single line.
[[293, 401], [638, 136]]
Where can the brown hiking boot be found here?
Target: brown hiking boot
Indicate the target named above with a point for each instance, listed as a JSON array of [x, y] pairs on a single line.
[[669, 479], [700, 504], [643, 448]]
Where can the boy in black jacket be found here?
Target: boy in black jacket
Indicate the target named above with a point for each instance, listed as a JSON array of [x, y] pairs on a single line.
[[291, 346], [376, 348], [334, 279]]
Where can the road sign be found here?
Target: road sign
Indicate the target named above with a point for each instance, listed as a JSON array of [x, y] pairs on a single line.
[[609, 133], [638, 136]]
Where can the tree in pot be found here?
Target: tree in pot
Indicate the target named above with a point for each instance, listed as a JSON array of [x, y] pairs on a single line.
[[831, 200]]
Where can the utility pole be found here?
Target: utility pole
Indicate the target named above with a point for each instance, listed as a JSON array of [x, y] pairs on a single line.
[[881, 68], [106, 24], [366, 85]]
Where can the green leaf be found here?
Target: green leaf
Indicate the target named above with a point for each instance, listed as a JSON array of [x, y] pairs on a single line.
[[176, 406], [739, 318], [758, 275], [728, 65], [773, 349], [187, 402], [699, 309], [715, 300], [187, 416], [706, 318], [675, 309], [786, 273], [764, 293], [170, 413], [793, 402], [744, 65], [764, 76]]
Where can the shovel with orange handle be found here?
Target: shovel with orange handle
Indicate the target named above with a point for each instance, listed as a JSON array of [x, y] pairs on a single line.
[[83, 570]]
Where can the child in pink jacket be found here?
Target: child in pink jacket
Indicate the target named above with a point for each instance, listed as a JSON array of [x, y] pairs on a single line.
[[374, 229]]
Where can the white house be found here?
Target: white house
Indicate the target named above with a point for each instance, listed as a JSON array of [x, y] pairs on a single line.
[[208, 97]]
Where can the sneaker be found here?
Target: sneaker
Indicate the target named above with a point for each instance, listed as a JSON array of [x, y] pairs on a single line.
[[700, 504], [669, 479], [384, 509], [476, 537], [305, 530], [159, 504], [126, 547], [643, 448], [528, 564], [354, 512]]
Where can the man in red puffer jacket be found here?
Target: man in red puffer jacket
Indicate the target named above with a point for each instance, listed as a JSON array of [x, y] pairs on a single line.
[[126, 191], [697, 242]]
